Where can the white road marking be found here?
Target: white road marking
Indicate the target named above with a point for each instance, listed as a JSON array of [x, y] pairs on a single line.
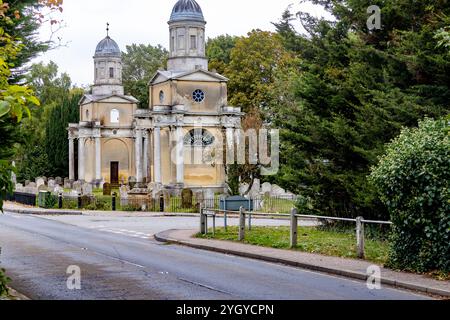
[[124, 232]]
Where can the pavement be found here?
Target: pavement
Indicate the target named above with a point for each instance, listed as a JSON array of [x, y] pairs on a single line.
[[350, 268], [130, 264]]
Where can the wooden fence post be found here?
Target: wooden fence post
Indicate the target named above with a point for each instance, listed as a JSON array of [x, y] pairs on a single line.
[[202, 221], [360, 237], [225, 222], [294, 227], [241, 224]]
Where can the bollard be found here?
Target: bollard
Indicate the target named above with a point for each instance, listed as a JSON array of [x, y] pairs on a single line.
[[202, 221], [249, 221], [113, 204], [161, 204], [294, 228], [214, 225], [360, 237], [241, 224], [79, 201], [60, 201]]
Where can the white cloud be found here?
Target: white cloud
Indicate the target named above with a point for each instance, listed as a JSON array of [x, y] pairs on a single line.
[[145, 21]]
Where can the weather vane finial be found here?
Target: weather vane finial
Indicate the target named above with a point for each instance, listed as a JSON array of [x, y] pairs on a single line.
[[107, 29]]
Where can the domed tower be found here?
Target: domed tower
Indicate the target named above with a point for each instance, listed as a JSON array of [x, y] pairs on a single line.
[[187, 37], [108, 68]]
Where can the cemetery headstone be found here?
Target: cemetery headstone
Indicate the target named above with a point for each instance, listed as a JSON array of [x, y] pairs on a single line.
[[132, 182], [106, 189], [39, 182], [186, 198]]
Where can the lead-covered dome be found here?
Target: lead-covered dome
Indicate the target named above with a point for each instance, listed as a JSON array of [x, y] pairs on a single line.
[[108, 47], [187, 10]]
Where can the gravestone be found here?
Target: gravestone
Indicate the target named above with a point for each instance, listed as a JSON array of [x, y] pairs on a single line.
[[59, 181], [87, 189], [27, 182], [106, 189], [266, 187], [18, 187], [157, 188], [32, 185], [166, 198], [199, 199], [51, 183], [123, 192], [209, 198], [57, 190], [67, 183], [243, 188], [277, 191], [77, 186], [42, 188], [39, 182], [186, 198], [256, 188], [132, 182]]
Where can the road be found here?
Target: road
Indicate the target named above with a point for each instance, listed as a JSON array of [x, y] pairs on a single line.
[[120, 263]]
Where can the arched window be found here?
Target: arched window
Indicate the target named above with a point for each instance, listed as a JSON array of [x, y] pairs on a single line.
[[199, 138], [161, 97], [115, 116]]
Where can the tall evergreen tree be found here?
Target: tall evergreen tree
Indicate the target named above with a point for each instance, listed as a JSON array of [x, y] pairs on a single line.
[[352, 92]]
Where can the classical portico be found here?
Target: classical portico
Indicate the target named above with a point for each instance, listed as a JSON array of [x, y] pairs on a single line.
[[178, 141]]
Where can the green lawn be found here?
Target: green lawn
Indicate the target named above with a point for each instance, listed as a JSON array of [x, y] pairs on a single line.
[[340, 244]]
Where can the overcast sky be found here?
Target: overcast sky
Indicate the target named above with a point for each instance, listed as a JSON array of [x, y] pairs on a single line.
[[145, 21]]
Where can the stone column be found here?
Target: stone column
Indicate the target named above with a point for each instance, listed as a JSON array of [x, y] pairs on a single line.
[[98, 159], [71, 160], [157, 154], [138, 149], [146, 156], [180, 155], [81, 142]]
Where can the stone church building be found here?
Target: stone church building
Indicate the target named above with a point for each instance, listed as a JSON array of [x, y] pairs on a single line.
[[117, 141]]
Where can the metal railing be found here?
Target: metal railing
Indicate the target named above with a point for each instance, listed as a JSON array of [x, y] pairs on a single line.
[[294, 216]]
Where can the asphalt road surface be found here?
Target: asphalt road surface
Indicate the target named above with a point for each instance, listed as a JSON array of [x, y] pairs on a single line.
[[124, 264]]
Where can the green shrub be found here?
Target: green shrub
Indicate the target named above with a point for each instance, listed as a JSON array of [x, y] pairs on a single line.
[[413, 182], [51, 202], [3, 281]]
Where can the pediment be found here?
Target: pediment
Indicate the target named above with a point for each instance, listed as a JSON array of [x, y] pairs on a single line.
[[88, 98], [196, 75]]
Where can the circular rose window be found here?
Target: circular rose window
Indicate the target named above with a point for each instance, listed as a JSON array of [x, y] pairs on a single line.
[[198, 96]]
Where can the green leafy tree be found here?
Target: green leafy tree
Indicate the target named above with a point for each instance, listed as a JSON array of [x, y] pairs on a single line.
[[413, 180], [255, 61], [140, 64], [218, 51]]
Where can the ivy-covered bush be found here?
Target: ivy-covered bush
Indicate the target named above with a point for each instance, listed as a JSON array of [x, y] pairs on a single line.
[[413, 180], [3, 281]]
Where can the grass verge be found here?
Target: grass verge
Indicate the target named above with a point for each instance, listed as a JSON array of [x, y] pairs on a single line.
[[310, 239]]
